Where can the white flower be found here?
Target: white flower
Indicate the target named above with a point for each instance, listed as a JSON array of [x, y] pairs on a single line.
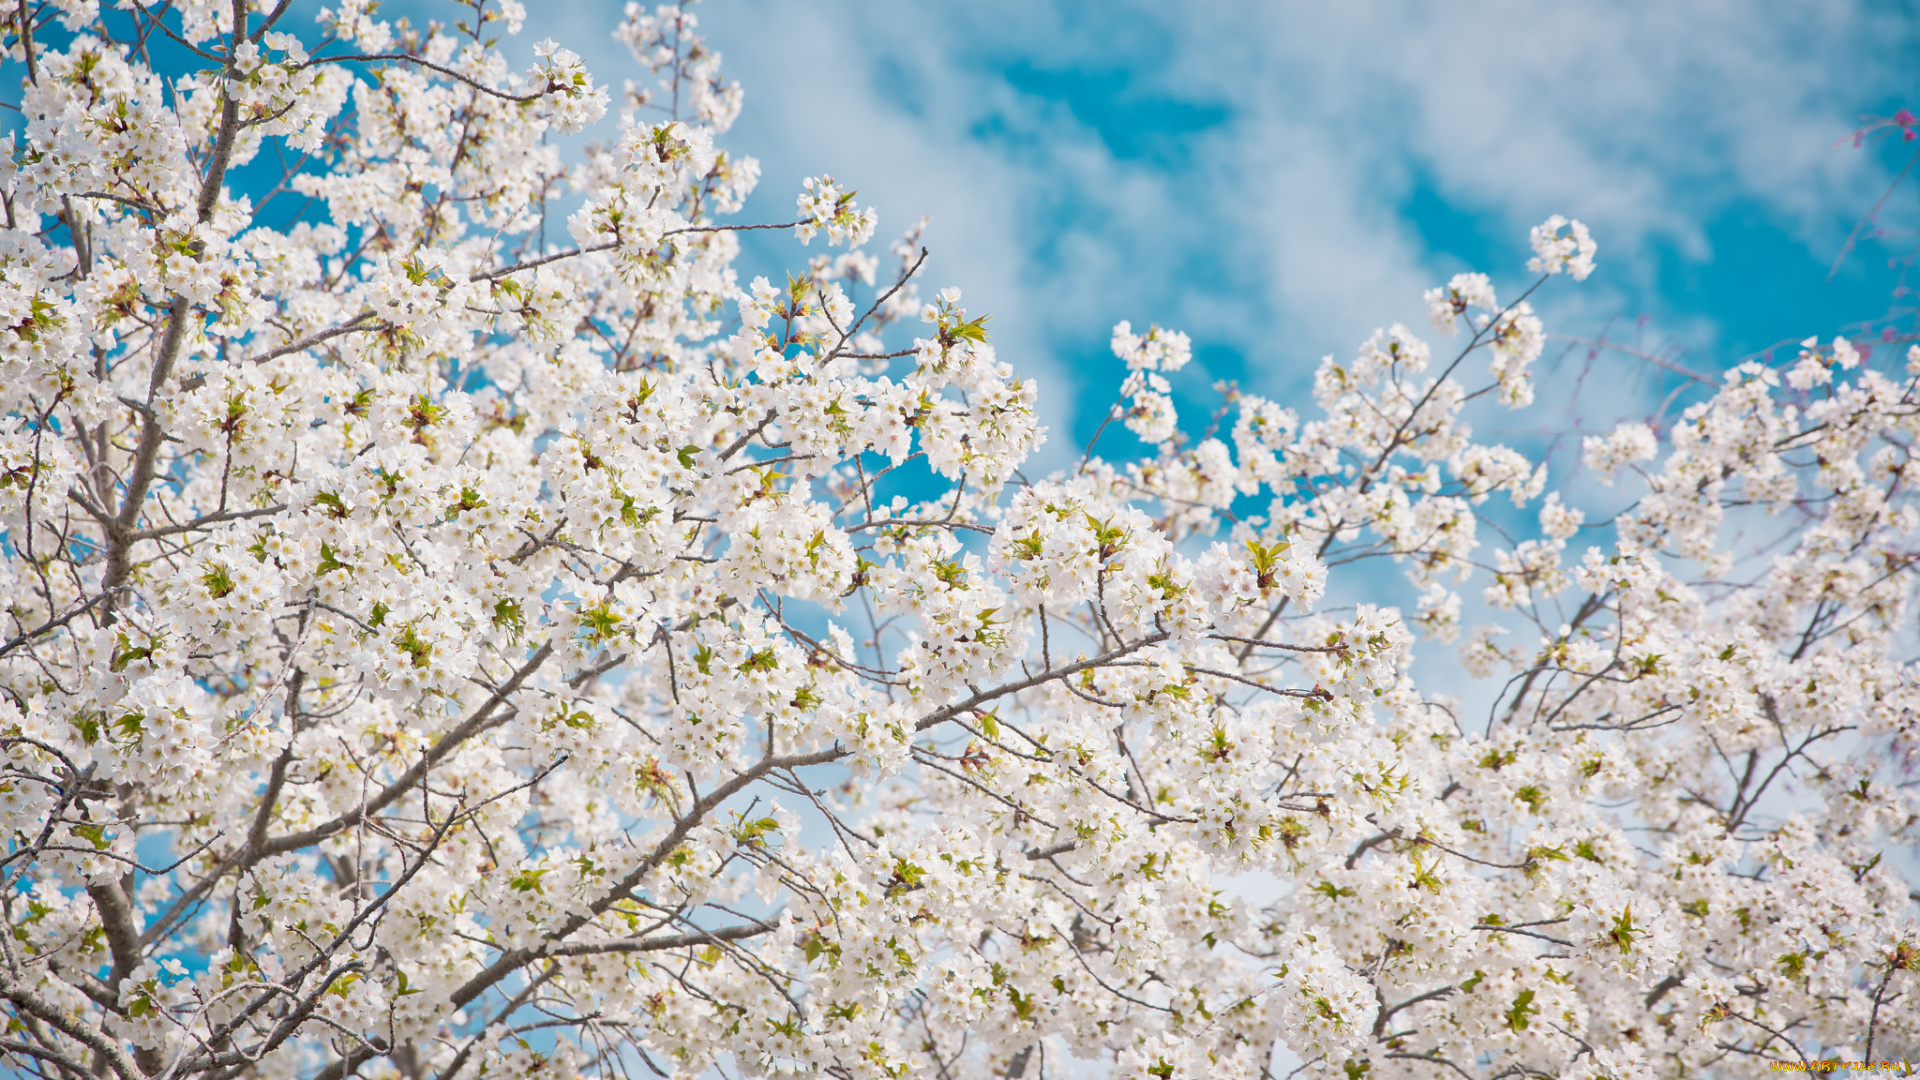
[[1554, 253], [409, 612]]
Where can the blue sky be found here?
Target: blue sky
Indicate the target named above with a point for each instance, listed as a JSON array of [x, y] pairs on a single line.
[[1279, 178]]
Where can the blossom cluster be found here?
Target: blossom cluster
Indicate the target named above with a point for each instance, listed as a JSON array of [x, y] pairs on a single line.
[[435, 647]]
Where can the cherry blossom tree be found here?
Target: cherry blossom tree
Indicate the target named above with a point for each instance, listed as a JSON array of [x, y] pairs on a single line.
[[437, 648]]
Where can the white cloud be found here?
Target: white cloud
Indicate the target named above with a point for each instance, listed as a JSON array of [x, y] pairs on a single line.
[[1280, 230]]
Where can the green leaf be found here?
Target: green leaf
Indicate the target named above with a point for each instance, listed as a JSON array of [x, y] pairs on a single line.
[[336, 506], [906, 878], [599, 622], [1523, 1007], [94, 834], [754, 833], [508, 616], [974, 330], [1623, 931], [329, 561], [127, 653], [417, 650]]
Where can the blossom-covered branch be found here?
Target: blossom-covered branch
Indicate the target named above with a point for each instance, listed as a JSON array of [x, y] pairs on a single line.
[[437, 648]]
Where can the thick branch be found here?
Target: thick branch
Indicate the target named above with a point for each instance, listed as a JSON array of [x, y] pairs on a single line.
[[408, 780], [152, 434], [515, 959], [660, 944], [57, 1019], [948, 712]]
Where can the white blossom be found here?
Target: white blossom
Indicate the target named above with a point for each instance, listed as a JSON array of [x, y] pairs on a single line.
[[435, 647]]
